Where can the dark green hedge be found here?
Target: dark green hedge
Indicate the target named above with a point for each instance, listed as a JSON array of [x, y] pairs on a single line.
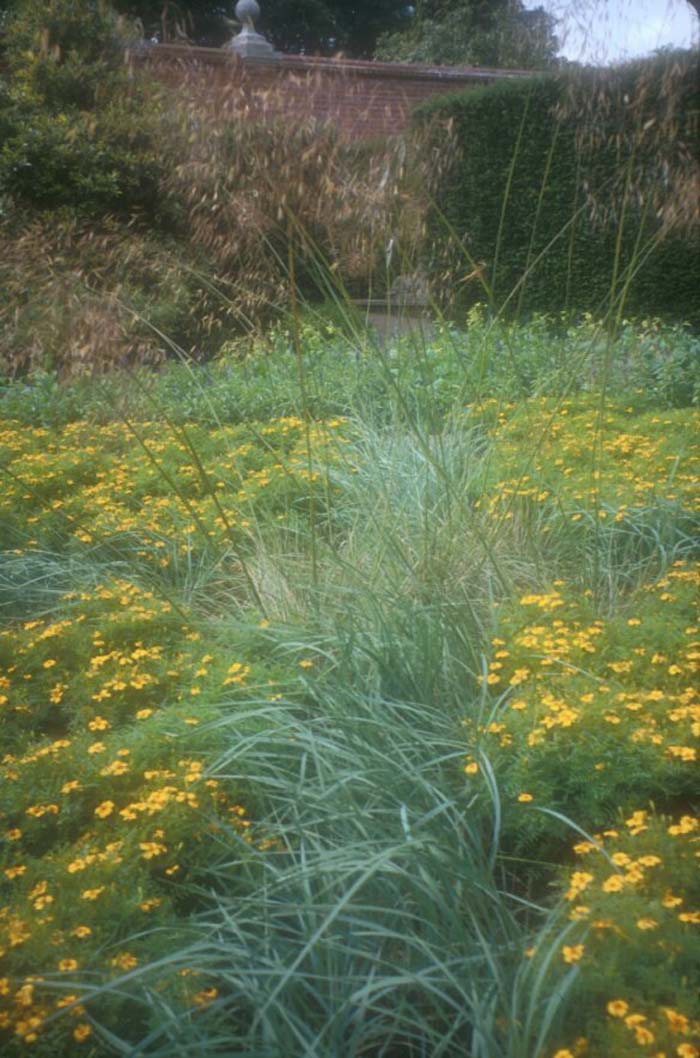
[[574, 171]]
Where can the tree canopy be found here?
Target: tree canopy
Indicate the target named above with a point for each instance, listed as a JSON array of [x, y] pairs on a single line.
[[420, 31], [483, 32], [474, 32], [306, 26]]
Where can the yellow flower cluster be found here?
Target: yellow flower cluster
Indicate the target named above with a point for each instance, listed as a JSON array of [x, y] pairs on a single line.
[[606, 462], [103, 808], [96, 482], [638, 899], [570, 676], [96, 829]]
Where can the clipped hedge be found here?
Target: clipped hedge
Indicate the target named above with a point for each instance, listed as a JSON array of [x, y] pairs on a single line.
[[564, 186]]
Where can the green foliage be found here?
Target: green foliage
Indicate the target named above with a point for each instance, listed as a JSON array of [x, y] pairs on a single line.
[[105, 787], [65, 54], [299, 26], [76, 131], [503, 34], [595, 712], [295, 709], [635, 884], [347, 371], [55, 161], [577, 193]]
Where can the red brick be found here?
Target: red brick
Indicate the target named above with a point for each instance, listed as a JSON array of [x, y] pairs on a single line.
[[366, 100]]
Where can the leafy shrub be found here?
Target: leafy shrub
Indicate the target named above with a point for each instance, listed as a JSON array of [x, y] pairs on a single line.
[[57, 161], [78, 131], [65, 54]]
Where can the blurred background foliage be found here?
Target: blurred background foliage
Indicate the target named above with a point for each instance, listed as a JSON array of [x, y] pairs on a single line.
[[136, 220], [498, 32]]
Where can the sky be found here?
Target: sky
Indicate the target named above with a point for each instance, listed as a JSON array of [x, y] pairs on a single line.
[[603, 31]]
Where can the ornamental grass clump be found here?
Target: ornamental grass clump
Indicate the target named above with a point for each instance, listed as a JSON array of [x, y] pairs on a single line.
[[348, 688], [313, 668]]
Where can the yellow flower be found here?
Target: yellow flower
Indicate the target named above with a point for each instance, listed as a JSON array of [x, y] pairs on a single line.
[[149, 849], [205, 997], [579, 881], [68, 965], [572, 953], [643, 1036], [525, 798], [617, 1008], [105, 809], [42, 810], [99, 724], [81, 1032], [150, 904], [685, 825], [66, 1001], [15, 872], [676, 1022], [632, 1021], [647, 923], [637, 822], [81, 932], [519, 676], [92, 894], [24, 996], [472, 768], [117, 767]]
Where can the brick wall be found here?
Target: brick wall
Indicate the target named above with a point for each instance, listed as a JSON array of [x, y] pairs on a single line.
[[365, 100]]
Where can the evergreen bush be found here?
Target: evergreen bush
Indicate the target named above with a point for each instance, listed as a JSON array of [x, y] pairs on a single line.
[[76, 129], [578, 191]]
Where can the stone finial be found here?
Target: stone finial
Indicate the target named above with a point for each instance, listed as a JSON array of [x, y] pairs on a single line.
[[249, 44]]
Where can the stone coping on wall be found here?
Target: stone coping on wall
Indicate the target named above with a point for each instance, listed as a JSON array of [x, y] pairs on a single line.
[[365, 68]]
